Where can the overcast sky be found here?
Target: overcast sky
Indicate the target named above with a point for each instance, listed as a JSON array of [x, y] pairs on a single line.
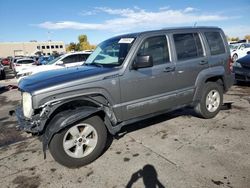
[[27, 20]]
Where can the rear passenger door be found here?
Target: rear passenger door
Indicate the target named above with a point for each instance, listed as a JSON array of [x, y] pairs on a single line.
[[218, 54], [190, 60]]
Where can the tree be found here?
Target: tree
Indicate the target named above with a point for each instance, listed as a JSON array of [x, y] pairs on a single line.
[[247, 37], [83, 44], [72, 47], [234, 39]]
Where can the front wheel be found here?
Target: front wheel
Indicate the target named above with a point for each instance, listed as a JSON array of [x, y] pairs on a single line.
[[79, 144], [211, 100]]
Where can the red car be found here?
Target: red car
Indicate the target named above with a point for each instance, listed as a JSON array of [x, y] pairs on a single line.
[[5, 61]]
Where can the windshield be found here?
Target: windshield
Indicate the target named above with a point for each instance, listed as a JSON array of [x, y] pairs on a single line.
[[53, 61], [110, 53]]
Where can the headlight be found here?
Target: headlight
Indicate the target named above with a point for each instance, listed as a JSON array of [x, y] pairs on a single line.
[[27, 105]]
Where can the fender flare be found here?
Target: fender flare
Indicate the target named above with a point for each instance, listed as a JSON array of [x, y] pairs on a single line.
[[203, 76], [64, 119]]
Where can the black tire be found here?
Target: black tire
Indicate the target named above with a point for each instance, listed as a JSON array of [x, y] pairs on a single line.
[[3, 75], [201, 108], [59, 154], [235, 57]]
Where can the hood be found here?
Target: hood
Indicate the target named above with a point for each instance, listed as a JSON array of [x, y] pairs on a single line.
[[52, 78], [245, 61], [36, 69]]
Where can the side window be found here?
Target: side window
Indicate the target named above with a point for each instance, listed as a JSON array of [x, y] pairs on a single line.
[[83, 57], [70, 59], [155, 47], [188, 45], [215, 43]]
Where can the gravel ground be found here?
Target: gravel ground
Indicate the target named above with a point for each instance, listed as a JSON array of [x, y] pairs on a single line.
[[172, 150]]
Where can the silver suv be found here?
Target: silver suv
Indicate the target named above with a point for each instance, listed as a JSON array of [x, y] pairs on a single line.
[[126, 79]]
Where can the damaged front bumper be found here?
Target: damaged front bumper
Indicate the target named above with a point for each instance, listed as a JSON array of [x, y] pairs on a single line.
[[28, 125]]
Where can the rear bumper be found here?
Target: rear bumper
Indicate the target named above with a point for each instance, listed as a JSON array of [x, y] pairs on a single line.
[[25, 124]]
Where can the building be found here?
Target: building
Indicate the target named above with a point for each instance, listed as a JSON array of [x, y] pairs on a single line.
[[31, 48]]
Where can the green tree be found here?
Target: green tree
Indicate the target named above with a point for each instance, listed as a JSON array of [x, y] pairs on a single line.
[[234, 38], [247, 37], [83, 44], [72, 47]]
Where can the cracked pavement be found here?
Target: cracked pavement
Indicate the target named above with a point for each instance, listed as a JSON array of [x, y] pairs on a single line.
[[176, 149]]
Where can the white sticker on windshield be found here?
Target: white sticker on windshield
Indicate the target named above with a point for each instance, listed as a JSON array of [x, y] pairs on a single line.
[[126, 40]]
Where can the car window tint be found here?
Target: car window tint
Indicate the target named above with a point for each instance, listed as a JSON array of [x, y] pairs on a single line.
[[215, 43], [83, 57], [157, 48], [25, 61], [188, 45], [70, 59]]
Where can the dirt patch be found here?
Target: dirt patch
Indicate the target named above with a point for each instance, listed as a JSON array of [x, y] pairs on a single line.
[[27, 182], [9, 135]]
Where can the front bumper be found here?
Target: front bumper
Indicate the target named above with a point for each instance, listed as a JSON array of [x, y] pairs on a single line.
[[242, 74], [24, 124]]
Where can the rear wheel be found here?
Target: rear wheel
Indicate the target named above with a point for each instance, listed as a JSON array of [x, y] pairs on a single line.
[[211, 100], [235, 57], [3, 75], [79, 144]]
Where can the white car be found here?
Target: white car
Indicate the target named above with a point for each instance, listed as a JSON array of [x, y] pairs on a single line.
[[23, 64], [239, 50], [66, 60]]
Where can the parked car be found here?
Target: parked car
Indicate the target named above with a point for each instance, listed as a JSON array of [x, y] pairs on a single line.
[[13, 61], [239, 50], [241, 68], [23, 64], [45, 59], [66, 60], [126, 79], [5, 61], [2, 72]]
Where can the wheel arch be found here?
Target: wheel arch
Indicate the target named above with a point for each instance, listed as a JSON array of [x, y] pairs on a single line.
[[213, 74]]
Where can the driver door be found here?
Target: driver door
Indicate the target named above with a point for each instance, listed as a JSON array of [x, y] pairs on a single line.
[[149, 90]]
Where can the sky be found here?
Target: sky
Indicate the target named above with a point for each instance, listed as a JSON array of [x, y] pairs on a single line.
[[25, 20]]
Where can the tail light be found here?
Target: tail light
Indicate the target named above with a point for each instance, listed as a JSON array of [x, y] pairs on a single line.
[[230, 64]]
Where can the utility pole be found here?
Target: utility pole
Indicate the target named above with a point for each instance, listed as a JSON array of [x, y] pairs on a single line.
[[49, 42]]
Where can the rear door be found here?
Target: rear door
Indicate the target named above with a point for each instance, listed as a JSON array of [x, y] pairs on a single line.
[[218, 52], [190, 60]]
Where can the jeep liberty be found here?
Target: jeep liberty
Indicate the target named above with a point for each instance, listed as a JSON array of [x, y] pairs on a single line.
[[126, 79]]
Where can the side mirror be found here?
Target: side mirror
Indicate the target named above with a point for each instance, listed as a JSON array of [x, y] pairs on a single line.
[[60, 63], [143, 62], [248, 52]]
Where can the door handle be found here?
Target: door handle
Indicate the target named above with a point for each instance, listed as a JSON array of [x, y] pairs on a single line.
[[203, 62], [169, 69]]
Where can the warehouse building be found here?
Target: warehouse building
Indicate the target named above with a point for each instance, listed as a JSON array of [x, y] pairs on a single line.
[[31, 48]]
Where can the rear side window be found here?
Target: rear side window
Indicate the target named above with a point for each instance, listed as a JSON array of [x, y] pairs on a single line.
[[188, 45], [70, 59], [157, 48], [25, 61], [215, 43], [82, 57]]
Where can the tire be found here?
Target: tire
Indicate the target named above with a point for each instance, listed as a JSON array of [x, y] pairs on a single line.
[[235, 57], [75, 152], [3, 75], [211, 100]]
